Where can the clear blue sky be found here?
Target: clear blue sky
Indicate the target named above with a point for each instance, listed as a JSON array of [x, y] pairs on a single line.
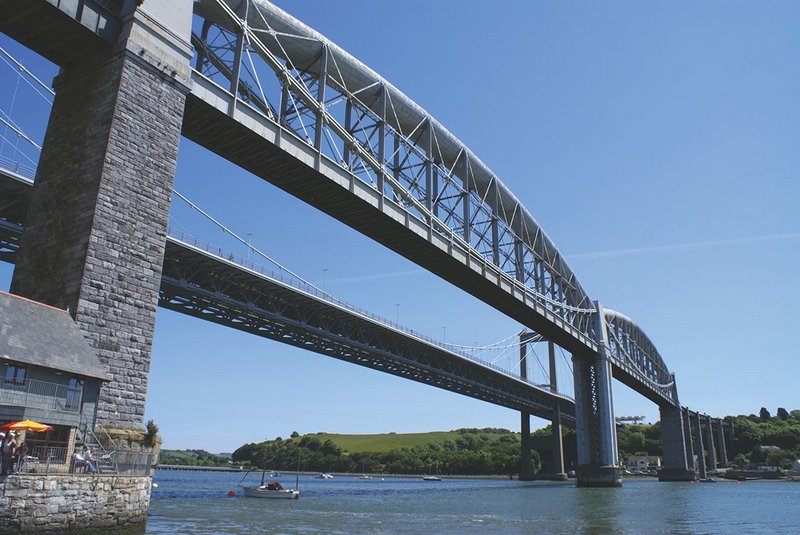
[[656, 143]]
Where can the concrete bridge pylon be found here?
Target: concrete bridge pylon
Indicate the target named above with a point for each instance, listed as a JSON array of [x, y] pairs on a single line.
[[598, 456], [676, 442]]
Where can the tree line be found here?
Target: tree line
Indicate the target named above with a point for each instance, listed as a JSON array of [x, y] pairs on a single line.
[[474, 453], [497, 451]]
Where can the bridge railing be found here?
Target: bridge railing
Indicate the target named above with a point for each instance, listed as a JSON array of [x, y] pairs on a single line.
[[300, 284], [12, 165]]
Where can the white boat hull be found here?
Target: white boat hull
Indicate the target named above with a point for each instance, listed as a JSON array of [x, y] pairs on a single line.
[[261, 492]]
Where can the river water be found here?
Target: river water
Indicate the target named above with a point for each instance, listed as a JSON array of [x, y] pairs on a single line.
[[198, 503]]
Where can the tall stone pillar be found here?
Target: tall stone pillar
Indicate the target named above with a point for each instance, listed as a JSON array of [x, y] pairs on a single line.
[[594, 405], [557, 473], [701, 457], [723, 450], [712, 452], [673, 442], [525, 472], [95, 231]]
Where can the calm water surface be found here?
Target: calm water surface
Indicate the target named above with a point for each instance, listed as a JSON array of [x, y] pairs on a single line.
[[197, 502]]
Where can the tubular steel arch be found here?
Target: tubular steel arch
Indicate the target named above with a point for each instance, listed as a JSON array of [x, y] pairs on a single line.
[[634, 354], [325, 97]]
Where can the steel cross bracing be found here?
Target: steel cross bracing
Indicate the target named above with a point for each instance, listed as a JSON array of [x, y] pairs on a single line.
[[14, 192], [357, 126]]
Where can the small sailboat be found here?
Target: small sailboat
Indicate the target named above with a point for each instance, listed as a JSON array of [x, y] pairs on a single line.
[[271, 489]]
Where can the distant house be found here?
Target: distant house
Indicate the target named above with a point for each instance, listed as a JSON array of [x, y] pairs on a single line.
[[644, 462], [49, 374], [796, 467]]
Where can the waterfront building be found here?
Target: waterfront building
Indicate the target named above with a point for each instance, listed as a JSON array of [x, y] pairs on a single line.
[[644, 463], [49, 374]]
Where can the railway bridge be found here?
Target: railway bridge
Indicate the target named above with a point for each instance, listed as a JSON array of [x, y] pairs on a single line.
[[261, 89]]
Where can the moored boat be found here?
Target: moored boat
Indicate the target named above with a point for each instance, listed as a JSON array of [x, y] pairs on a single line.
[[431, 478], [273, 490]]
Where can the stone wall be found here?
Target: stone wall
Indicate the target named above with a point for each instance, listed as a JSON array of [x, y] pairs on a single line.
[[60, 502]]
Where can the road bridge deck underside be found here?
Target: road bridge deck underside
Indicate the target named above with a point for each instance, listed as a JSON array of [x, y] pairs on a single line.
[[208, 287]]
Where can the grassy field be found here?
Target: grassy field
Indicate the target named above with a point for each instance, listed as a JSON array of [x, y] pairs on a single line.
[[389, 441]]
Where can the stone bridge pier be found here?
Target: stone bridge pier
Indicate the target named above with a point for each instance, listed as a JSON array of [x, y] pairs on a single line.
[[96, 227]]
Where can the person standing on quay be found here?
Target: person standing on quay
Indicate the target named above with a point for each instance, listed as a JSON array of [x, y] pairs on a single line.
[[2, 459], [9, 445]]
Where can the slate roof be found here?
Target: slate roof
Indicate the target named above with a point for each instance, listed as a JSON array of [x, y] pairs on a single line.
[[40, 335]]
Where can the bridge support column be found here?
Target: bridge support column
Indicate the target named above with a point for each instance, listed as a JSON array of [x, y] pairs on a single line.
[[95, 231], [723, 450], [673, 441], [687, 429], [712, 451], [701, 455], [598, 464], [525, 470], [557, 473]]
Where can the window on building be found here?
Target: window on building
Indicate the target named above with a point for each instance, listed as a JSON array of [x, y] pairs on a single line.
[[50, 444], [74, 394], [15, 375]]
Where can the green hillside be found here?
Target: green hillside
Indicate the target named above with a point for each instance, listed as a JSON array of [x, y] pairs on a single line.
[[387, 442], [463, 451]]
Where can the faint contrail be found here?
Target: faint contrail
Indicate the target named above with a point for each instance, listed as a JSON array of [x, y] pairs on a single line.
[[377, 276], [684, 246]]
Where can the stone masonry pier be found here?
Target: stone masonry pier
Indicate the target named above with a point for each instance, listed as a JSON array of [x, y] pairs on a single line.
[[36, 503]]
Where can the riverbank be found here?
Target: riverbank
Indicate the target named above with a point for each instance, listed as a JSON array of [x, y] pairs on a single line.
[[242, 469], [193, 468]]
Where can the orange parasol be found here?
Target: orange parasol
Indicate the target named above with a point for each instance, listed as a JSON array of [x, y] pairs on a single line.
[[26, 425]]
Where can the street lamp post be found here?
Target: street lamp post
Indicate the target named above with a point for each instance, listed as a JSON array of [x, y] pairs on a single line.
[[249, 247]]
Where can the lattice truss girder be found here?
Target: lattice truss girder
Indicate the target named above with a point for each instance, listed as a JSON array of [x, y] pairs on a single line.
[[633, 351], [9, 241], [230, 298], [13, 201], [364, 125]]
